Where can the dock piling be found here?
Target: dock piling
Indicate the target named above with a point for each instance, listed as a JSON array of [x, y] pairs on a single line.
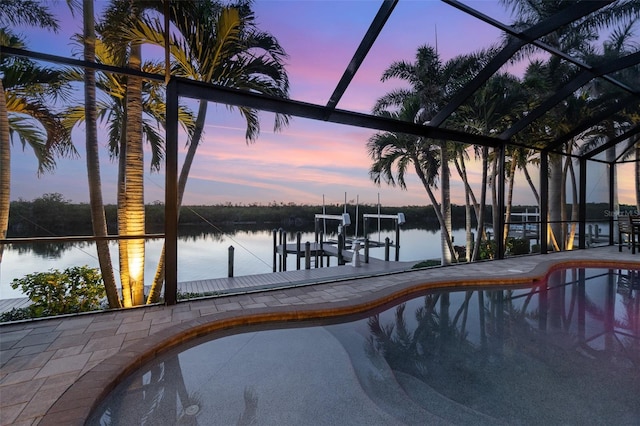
[[230, 268], [386, 249], [284, 250], [298, 253], [275, 248], [366, 250]]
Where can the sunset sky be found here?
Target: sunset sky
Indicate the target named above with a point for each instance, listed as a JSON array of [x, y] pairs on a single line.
[[307, 160]]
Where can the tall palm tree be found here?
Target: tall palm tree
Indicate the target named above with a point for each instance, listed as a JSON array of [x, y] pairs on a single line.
[[17, 12], [132, 100], [393, 153], [27, 92], [490, 110], [131, 211], [27, 12], [620, 43], [98, 218], [460, 158], [428, 79], [433, 83], [112, 111], [574, 39], [219, 44]]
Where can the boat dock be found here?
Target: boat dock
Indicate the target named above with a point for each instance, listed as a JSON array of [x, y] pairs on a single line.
[[268, 281]]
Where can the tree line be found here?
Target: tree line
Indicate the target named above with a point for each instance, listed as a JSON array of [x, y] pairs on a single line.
[[52, 215]]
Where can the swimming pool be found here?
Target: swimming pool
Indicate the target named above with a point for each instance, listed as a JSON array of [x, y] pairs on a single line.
[[563, 351]]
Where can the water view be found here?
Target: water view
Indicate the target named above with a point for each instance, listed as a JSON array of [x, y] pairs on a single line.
[[203, 255], [563, 351]]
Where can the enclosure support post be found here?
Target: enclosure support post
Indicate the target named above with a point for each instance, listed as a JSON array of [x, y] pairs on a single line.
[[582, 208], [171, 197], [612, 191]]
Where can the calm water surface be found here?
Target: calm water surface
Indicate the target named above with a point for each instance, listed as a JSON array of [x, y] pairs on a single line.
[[203, 256]]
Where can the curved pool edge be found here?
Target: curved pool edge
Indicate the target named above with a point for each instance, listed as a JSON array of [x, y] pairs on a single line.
[[78, 401]]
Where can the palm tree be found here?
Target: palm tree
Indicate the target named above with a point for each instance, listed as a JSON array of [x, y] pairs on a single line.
[[131, 217], [133, 105], [460, 156], [27, 12], [98, 218], [26, 92], [218, 44], [393, 153], [489, 111], [15, 12], [619, 44], [112, 111], [433, 83], [573, 39]]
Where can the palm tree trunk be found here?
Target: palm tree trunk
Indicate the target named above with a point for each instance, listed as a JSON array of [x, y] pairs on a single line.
[[448, 255], [510, 182], [483, 202], [98, 218], [462, 172], [555, 198], [495, 210], [574, 207], [525, 169], [469, 198], [134, 180], [154, 293], [122, 220], [434, 204], [5, 168], [563, 208]]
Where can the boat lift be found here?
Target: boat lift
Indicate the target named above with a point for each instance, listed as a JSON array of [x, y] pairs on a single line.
[[399, 221], [345, 221]]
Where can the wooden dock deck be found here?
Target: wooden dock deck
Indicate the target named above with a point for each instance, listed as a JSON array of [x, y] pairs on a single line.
[[268, 281]]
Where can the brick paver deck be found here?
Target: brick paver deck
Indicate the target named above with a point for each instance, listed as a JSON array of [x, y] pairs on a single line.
[[54, 371]]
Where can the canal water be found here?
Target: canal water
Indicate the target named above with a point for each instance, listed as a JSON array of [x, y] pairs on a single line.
[[202, 256]]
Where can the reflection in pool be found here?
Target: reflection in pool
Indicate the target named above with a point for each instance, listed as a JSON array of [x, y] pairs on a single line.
[[565, 351]]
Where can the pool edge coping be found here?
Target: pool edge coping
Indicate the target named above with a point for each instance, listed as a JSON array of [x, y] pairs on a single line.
[[82, 397]]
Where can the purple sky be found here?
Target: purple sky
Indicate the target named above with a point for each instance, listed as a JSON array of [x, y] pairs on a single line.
[[307, 159]]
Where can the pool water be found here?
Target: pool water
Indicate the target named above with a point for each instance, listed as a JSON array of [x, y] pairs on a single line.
[[563, 351]]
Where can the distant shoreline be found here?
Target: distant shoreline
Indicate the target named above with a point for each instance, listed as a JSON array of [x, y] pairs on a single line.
[[53, 216]]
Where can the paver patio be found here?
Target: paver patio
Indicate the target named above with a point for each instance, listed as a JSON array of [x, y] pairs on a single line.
[[54, 371]]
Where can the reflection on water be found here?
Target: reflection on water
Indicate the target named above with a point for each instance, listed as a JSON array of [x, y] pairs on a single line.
[[201, 255], [564, 351]]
